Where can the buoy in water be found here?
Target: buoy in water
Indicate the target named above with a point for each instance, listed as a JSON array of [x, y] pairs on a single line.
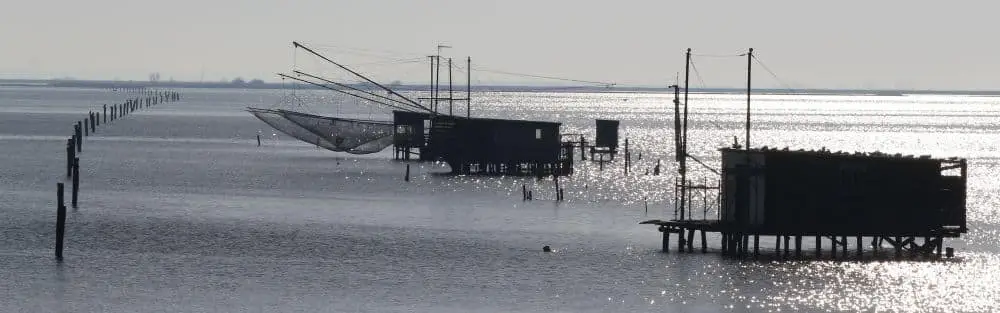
[[546, 249]]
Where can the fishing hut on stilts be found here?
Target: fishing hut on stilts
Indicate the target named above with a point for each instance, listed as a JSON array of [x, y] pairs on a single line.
[[910, 203]]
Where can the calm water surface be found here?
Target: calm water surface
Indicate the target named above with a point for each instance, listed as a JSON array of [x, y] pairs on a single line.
[[180, 211]]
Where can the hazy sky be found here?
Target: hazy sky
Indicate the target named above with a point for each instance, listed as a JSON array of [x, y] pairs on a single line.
[[834, 44]]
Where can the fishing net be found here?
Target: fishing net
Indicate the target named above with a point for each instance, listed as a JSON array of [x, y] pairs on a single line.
[[335, 134]]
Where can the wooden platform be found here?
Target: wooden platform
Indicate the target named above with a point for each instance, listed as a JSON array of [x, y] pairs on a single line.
[[736, 242]]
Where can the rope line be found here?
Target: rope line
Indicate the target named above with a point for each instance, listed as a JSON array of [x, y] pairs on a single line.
[[783, 84], [697, 74]]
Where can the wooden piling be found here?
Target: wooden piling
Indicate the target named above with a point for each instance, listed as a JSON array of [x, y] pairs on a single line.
[[843, 249], [756, 246], [524, 192], [86, 127], [407, 177], [666, 239], [690, 240], [627, 157], [70, 154], [833, 247], [93, 125], [777, 247], [798, 247], [76, 180], [105, 114], [819, 246], [60, 221], [258, 144], [860, 246], [556, 179], [79, 137], [704, 243]]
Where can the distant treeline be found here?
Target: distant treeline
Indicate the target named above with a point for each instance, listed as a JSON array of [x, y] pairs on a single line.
[[257, 84]]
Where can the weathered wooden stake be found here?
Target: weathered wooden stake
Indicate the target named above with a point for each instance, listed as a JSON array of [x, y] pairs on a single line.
[[258, 143], [105, 114], [79, 137], [860, 245], [76, 180], [704, 243], [93, 123], [60, 221], [819, 246], [628, 157], [407, 177], [524, 192], [86, 127], [70, 154]]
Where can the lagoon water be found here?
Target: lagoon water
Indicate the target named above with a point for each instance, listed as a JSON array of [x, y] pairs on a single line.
[[181, 211]]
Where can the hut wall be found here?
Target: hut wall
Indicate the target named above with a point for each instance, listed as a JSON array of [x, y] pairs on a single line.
[[803, 193]]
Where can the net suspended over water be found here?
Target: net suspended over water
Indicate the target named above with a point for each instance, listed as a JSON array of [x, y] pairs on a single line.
[[334, 134], [340, 134]]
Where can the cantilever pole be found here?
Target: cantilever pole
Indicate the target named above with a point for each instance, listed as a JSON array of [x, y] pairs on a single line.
[[298, 45], [355, 89], [344, 92]]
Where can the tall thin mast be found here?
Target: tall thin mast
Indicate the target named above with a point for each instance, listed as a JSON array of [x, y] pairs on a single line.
[[451, 99], [749, 62], [437, 80], [468, 87], [432, 81], [683, 165]]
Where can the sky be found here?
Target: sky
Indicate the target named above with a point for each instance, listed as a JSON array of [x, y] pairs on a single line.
[[805, 44]]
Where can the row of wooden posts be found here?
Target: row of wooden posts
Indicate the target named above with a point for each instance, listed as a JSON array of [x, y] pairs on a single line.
[[84, 128], [526, 194]]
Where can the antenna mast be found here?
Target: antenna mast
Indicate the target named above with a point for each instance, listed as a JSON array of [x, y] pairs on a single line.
[[749, 59]]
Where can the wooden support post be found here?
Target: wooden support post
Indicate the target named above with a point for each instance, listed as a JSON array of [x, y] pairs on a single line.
[[777, 247], [60, 221], [899, 246], [798, 247], [787, 238], [860, 247], [70, 154], [79, 137], [940, 244], [690, 240], [833, 247], [86, 127], [756, 246], [680, 240], [704, 243], [258, 140], [407, 177], [746, 242], [627, 157], [93, 123], [76, 180], [666, 239], [105, 114], [843, 249], [556, 179], [819, 246], [583, 153]]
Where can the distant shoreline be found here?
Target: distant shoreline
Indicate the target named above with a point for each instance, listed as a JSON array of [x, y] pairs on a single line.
[[505, 88]]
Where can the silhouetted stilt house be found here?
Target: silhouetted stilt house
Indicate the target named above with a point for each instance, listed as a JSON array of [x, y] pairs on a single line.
[[911, 203], [483, 145], [605, 141]]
